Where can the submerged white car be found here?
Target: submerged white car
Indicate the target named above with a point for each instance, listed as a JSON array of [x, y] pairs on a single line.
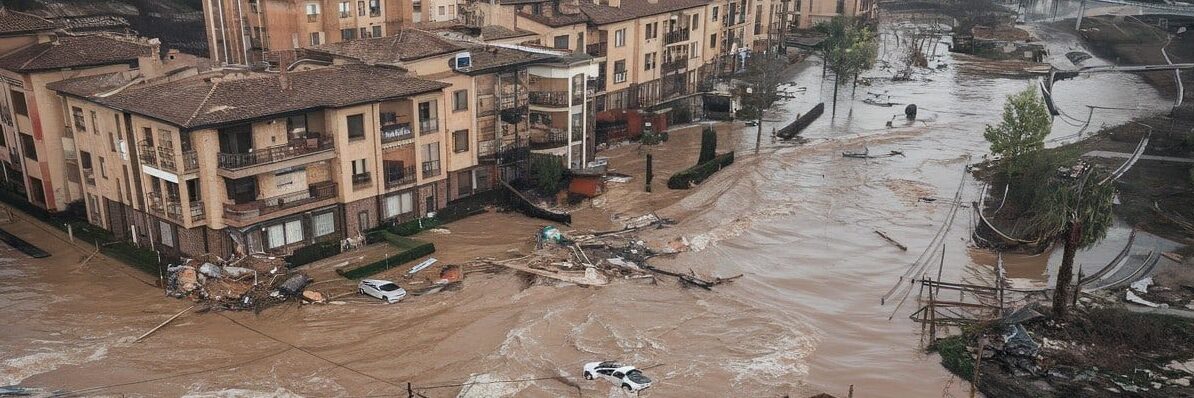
[[382, 289], [628, 377]]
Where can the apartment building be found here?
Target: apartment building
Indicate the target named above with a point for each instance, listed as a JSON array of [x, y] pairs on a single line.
[[244, 31], [435, 10], [37, 144]]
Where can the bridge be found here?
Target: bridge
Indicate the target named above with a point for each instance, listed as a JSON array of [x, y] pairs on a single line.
[[1162, 8]]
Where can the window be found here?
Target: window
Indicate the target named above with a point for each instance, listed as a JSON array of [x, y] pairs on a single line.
[[377, 31], [696, 22], [356, 127], [3, 140], [399, 204], [167, 233], [28, 146], [431, 166], [460, 100], [428, 117], [651, 30], [348, 34], [358, 167], [620, 38], [364, 33], [619, 71], [360, 8], [315, 38], [38, 190], [443, 10], [841, 6], [312, 9], [80, 122], [713, 40], [715, 10], [18, 103], [95, 126], [649, 61], [323, 224], [460, 141], [284, 234], [694, 51], [561, 42], [464, 182], [363, 221], [375, 8], [344, 9]]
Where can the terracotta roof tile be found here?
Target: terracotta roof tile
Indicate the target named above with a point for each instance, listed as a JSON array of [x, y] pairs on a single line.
[[599, 14], [76, 51], [407, 45], [213, 100], [15, 22]]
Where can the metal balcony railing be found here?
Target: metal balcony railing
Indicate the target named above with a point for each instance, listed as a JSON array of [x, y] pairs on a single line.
[[428, 126], [676, 36], [396, 132], [549, 98], [89, 176], [197, 211], [619, 77], [672, 66], [273, 154], [249, 211], [553, 138], [312, 17], [431, 168], [362, 179], [400, 176], [165, 206], [597, 50]]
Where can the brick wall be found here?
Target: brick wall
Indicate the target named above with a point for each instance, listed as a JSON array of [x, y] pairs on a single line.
[[352, 218]]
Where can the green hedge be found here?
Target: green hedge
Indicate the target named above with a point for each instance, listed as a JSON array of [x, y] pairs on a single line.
[[696, 174], [309, 254], [396, 260], [414, 226]]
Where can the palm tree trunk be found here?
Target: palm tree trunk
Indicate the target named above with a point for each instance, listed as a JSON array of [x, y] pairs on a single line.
[[836, 76], [1065, 273]]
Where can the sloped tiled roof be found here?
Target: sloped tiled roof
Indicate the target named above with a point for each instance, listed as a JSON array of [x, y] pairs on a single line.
[[208, 101], [487, 58], [76, 51], [599, 14], [495, 32], [407, 45], [15, 22]]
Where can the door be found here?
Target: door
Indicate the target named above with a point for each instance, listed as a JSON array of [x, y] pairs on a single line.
[[236, 139]]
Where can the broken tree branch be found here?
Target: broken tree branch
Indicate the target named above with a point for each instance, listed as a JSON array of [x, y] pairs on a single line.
[[893, 241], [163, 324]]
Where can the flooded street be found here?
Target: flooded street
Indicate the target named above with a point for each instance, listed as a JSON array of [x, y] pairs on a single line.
[[797, 221]]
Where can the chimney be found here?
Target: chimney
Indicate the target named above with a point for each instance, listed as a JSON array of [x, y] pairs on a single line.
[[568, 7]]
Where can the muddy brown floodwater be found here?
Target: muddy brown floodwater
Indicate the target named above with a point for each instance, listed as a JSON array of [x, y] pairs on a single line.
[[796, 220]]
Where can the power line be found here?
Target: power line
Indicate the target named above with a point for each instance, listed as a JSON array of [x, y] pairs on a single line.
[[87, 391]]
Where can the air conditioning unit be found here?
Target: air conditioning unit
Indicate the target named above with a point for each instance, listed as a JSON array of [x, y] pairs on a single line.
[[463, 60]]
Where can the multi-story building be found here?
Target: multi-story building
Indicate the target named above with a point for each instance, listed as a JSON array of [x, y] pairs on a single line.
[[435, 10], [36, 139], [244, 31], [359, 133]]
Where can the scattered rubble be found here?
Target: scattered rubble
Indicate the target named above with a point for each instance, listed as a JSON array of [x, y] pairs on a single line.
[[250, 282]]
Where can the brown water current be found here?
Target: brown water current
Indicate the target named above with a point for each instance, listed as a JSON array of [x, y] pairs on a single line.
[[796, 220]]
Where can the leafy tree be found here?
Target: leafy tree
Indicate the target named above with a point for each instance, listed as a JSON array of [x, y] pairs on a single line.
[[708, 145], [849, 48], [1026, 122], [1078, 212], [549, 171]]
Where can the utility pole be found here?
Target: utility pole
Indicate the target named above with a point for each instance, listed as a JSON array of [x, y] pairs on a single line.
[[1081, 10], [765, 85]]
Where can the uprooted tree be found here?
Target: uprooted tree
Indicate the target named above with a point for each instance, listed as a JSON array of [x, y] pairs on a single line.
[[848, 49]]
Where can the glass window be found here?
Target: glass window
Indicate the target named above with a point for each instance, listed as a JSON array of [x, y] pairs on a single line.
[[460, 141], [323, 224], [649, 61], [460, 100], [400, 204], [348, 34], [620, 38], [561, 42], [312, 9], [356, 126], [377, 31], [315, 38], [28, 146], [80, 121], [18, 103]]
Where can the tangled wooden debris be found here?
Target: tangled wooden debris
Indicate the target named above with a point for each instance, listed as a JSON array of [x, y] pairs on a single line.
[[593, 259]]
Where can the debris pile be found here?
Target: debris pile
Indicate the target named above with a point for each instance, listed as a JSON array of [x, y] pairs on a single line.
[[250, 282], [592, 259]]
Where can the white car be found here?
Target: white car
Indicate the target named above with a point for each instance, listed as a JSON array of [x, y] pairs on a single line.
[[628, 377], [382, 289]]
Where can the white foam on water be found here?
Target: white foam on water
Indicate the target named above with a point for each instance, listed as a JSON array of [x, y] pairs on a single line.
[[16, 370], [490, 386], [239, 393]]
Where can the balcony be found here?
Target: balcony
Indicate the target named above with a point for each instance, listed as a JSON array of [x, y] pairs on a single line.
[[374, 11], [163, 158], [362, 180], [598, 84], [296, 153], [165, 206], [312, 17], [399, 176], [248, 213], [620, 76], [552, 138], [554, 99], [89, 176], [672, 66], [428, 126], [396, 132], [597, 50], [197, 211], [431, 168], [676, 36]]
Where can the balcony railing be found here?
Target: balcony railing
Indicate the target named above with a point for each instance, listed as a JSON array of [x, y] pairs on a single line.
[[165, 206], [549, 98], [197, 211], [396, 132], [619, 77], [312, 17], [247, 212], [554, 138], [361, 180], [374, 12], [88, 175], [598, 84], [672, 66], [400, 176], [431, 168], [597, 49], [273, 154], [428, 126], [676, 36]]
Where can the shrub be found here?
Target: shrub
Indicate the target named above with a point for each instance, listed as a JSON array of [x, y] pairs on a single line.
[[396, 260], [708, 145], [549, 173], [955, 357], [414, 226], [309, 254], [699, 173]]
